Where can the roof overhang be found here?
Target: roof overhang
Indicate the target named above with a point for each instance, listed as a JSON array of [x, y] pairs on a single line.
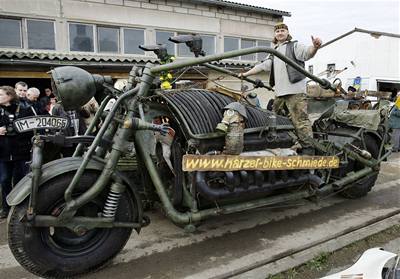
[[243, 7], [51, 58], [35, 64], [397, 81]]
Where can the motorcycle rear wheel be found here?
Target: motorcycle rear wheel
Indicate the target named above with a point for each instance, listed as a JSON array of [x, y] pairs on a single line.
[[363, 186], [56, 252]]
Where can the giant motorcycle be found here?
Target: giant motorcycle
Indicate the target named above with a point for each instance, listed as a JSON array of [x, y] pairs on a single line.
[[71, 216]]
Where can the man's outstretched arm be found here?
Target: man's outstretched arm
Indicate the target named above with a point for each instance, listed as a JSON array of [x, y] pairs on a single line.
[[264, 66]]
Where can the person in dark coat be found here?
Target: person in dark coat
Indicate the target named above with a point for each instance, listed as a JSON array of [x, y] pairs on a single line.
[[394, 124], [21, 88], [32, 97], [15, 148], [46, 99]]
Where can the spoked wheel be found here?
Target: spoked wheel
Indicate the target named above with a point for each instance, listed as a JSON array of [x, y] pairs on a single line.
[[57, 252]]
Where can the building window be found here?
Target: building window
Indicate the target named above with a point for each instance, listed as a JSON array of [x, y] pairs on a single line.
[[81, 37], [162, 38], [261, 56], [132, 39], [245, 43], [183, 51], [231, 43], [330, 70], [208, 44], [311, 69], [40, 34], [10, 30], [108, 39]]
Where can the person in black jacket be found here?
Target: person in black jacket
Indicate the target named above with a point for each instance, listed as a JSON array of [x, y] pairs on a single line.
[[14, 148], [32, 97], [45, 100], [21, 88]]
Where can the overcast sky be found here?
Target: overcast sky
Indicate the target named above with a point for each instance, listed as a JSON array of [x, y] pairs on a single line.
[[330, 18]]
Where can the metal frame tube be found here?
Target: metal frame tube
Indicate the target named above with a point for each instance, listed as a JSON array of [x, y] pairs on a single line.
[[86, 158], [101, 151], [330, 188], [225, 71], [117, 149], [36, 166], [201, 60], [272, 200], [85, 223], [352, 177]]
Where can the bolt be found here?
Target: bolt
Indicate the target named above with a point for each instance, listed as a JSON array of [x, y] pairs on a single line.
[[79, 230]]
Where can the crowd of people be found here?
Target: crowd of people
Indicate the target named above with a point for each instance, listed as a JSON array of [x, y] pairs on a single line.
[[15, 148]]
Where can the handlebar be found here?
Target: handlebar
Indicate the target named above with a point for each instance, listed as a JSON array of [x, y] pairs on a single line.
[[194, 42], [160, 50]]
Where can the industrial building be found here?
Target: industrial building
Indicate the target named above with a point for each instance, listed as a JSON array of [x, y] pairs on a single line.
[[365, 59], [102, 36]]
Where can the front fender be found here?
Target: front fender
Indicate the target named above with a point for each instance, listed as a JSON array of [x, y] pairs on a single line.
[[55, 168]]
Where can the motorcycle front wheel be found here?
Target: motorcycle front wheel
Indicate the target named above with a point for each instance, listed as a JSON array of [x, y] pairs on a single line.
[[57, 252]]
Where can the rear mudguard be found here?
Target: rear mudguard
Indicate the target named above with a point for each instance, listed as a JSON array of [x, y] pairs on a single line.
[[58, 167]]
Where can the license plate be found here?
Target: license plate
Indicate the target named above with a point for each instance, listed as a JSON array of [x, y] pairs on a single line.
[[40, 122]]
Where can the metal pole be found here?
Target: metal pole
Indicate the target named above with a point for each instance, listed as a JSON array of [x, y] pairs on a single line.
[[36, 166], [201, 60], [86, 158], [225, 71], [330, 188]]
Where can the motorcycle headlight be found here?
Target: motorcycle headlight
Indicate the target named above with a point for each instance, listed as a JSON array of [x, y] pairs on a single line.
[[74, 87]]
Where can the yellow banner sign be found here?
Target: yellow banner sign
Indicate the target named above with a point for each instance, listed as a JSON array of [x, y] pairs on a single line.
[[237, 162]]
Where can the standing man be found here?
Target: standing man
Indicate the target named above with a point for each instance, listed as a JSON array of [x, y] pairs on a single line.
[[32, 97], [21, 88], [290, 85], [32, 94], [394, 124]]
